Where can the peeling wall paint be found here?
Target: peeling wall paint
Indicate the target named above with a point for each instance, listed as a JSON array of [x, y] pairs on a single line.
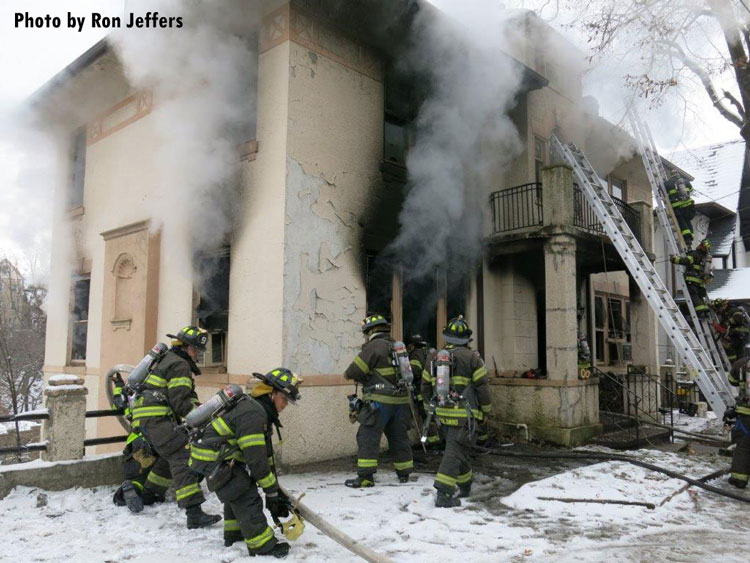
[[333, 152], [323, 293]]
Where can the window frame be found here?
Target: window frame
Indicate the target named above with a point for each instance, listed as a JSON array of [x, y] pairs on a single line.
[[612, 180], [206, 359], [74, 322], [606, 335]]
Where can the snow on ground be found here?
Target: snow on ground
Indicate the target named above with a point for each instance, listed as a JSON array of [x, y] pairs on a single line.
[[401, 521], [23, 425]]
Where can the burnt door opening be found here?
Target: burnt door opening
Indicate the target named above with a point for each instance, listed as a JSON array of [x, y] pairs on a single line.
[[420, 308]]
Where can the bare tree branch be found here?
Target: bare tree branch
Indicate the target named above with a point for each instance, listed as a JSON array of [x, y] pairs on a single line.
[[708, 84]]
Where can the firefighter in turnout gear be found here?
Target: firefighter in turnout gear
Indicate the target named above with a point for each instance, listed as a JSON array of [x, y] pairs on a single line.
[[459, 393], [235, 453], [166, 397], [739, 418], [138, 460], [420, 358], [734, 325], [679, 193], [385, 405], [698, 272]]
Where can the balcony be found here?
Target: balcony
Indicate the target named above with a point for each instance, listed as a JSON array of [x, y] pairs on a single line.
[[520, 212]]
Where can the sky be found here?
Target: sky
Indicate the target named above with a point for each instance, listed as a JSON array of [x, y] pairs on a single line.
[[31, 56]]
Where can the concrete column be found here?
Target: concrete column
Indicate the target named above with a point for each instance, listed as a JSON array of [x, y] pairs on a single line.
[[64, 430], [557, 196], [560, 306], [647, 224]]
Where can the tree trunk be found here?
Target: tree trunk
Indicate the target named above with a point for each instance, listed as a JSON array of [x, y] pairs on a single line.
[[743, 206]]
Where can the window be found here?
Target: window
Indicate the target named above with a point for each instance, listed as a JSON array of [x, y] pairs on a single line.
[[611, 330], [401, 108], [379, 286], [212, 308], [396, 142], [79, 169], [618, 188], [79, 317], [540, 157]]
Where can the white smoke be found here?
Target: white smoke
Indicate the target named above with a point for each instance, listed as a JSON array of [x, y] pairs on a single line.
[[202, 77], [464, 137]]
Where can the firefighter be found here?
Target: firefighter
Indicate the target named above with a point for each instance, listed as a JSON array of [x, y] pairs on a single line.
[[584, 352], [138, 460], [420, 356], [679, 193], [235, 453], [385, 406], [168, 395], [734, 324], [584, 357], [464, 405], [739, 418], [698, 270]]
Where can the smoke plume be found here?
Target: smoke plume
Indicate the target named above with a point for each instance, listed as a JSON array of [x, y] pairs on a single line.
[[464, 138], [202, 77]]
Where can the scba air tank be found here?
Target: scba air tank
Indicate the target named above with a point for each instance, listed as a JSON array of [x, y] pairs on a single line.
[[443, 375], [140, 371], [221, 402], [402, 358]]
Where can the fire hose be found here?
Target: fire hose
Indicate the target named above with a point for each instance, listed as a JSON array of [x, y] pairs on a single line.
[[615, 457], [109, 387], [337, 535]]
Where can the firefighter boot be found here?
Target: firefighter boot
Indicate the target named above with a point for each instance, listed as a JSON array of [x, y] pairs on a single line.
[[444, 500], [279, 551], [360, 482], [132, 498], [232, 537], [464, 490], [403, 478], [196, 518], [737, 483], [150, 497]]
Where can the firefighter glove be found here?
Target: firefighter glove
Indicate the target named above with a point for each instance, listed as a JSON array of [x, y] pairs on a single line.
[[276, 507], [729, 415], [674, 259]]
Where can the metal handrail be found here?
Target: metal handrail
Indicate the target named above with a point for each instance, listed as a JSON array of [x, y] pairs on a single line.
[[41, 447], [517, 207]]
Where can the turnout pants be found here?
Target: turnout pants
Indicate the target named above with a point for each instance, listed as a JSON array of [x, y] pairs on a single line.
[[171, 447], [455, 467], [375, 419], [741, 460], [243, 511], [137, 464], [684, 216], [698, 296]]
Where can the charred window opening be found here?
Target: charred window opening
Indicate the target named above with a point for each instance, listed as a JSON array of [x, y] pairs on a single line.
[[212, 307], [401, 107], [378, 285], [79, 319], [420, 308], [75, 198]]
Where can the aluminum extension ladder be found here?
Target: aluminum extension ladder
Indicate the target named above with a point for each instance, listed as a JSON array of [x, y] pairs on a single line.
[[709, 380], [657, 177]]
